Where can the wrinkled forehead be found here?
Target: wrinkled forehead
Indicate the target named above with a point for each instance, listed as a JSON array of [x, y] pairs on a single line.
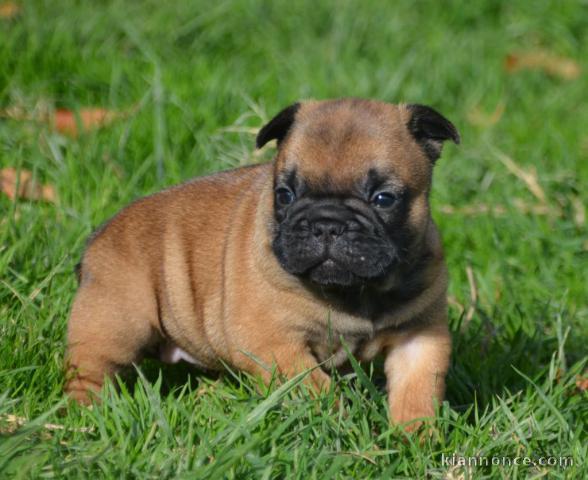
[[341, 143]]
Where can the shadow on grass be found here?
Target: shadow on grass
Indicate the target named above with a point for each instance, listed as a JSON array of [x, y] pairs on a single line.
[[173, 376], [487, 354]]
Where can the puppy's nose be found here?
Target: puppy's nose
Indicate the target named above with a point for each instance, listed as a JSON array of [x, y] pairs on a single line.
[[326, 229]]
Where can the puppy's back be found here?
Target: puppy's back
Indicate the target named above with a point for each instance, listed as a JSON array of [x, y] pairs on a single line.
[[132, 239]]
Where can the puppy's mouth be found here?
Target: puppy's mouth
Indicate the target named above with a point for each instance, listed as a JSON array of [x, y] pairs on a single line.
[[330, 273]]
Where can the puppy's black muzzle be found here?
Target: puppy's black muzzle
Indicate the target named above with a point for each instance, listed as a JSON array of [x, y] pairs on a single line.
[[332, 242]]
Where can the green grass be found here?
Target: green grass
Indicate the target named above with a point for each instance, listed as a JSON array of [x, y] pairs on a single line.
[[192, 69]]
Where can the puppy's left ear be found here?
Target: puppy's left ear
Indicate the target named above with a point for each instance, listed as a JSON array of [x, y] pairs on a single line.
[[278, 127], [430, 129]]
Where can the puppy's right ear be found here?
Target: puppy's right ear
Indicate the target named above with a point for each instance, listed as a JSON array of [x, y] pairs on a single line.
[[278, 127]]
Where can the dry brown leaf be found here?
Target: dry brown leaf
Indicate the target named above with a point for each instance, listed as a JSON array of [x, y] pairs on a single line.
[[478, 209], [529, 177], [473, 295], [66, 121], [10, 423], [547, 62], [480, 118], [238, 129], [21, 184], [579, 211], [582, 383], [9, 10], [451, 300], [15, 422], [15, 113], [537, 209], [458, 472]]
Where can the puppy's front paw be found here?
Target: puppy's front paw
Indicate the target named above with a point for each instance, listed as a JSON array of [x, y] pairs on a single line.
[[411, 419], [82, 391]]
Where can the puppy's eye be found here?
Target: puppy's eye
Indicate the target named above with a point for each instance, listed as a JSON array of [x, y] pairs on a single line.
[[284, 196], [384, 200]]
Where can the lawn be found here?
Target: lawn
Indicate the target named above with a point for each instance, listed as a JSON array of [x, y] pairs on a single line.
[[185, 86]]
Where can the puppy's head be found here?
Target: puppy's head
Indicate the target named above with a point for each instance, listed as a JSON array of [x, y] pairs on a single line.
[[351, 186]]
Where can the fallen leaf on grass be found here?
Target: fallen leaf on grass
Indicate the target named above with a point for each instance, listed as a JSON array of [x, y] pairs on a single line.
[[238, 129], [10, 424], [66, 121], [479, 209], [529, 177], [9, 10], [14, 422], [473, 296], [21, 184], [537, 209], [455, 303], [582, 383], [579, 211], [458, 472], [14, 113], [547, 62]]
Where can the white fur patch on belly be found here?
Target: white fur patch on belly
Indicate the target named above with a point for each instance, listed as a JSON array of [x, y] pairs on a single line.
[[170, 353]]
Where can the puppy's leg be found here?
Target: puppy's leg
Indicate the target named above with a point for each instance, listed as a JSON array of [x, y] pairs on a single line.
[[289, 360], [416, 365], [294, 359], [105, 334]]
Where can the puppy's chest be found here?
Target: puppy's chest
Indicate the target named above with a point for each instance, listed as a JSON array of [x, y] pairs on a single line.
[[331, 343], [363, 333]]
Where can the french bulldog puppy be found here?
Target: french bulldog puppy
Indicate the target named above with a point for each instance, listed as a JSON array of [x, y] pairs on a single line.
[[283, 265]]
